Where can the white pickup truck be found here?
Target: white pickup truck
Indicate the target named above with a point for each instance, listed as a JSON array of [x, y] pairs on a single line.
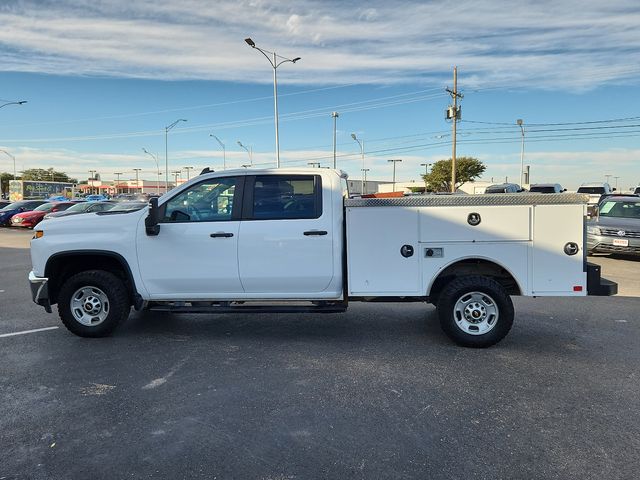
[[291, 240]]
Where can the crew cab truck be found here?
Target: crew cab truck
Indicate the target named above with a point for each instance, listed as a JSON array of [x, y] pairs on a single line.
[[291, 240]]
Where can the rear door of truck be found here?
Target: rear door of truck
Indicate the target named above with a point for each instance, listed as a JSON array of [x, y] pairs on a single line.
[[285, 244]]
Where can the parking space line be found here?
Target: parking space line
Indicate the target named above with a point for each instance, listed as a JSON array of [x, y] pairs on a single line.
[[24, 332]]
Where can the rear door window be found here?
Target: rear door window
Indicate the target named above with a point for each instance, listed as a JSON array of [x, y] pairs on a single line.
[[275, 197]]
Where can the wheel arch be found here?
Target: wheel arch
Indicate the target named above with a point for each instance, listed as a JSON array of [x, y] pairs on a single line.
[[63, 265], [474, 265]]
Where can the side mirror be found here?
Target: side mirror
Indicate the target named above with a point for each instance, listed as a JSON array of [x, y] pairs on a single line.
[[152, 220]]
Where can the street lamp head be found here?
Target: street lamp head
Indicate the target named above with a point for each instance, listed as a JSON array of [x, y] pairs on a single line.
[[250, 42], [519, 122], [240, 144], [353, 135], [335, 114], [296, 59]]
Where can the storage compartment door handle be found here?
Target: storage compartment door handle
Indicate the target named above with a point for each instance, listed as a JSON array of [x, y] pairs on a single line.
[[315, 232]]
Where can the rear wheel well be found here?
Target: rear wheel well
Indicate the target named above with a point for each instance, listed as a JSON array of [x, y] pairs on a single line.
[[61, 267], [474, 266]]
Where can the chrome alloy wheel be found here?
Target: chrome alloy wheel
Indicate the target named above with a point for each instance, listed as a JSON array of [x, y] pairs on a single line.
[[475, 313], [89, 306]]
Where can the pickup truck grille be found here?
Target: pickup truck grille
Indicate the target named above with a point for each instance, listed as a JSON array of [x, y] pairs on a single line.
[[613, 232]]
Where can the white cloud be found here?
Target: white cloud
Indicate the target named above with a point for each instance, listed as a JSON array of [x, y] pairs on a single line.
[[535, 44]]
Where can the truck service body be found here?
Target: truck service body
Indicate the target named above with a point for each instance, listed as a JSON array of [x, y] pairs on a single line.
[[291, 240]]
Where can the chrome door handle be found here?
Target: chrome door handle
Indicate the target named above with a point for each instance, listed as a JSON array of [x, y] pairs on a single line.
[[221, 235]]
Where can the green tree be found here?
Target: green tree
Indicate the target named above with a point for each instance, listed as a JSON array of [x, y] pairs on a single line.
[[4, 182], [48, 175], [467, 169]]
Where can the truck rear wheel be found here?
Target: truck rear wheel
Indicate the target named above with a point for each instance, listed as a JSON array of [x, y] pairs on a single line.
[[93, 303], [475, 311]]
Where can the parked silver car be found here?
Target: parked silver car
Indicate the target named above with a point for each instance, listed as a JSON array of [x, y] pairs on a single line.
[[616, 226]]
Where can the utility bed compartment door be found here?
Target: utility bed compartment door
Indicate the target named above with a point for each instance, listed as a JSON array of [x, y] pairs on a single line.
[[555, 272], [497, 223], [375, 237]]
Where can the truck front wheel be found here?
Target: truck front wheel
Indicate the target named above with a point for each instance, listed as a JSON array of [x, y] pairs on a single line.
[[475, 311], [93, 303]]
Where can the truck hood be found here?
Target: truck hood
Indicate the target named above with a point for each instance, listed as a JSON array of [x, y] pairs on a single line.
[[94, 223]]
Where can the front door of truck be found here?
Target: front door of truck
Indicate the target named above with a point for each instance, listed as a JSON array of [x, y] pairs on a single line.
[[286, 244], [195, 255]]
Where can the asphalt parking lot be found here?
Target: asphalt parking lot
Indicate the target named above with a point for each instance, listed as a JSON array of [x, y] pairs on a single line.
[[377, 392]]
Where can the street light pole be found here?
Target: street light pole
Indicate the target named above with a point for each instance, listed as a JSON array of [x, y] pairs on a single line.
[[520, 123], [616, 182], [361, 143], [364, 174], [155, 157], [335, 116], [607, 176], [314, 164], [249, 152], [166, 150], [224, 151], [275, 61], [21, 102], [176, 174], [394, 161], [426, 172], [188, 169], [92, 172]]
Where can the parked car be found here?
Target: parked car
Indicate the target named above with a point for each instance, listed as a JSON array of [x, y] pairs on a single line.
[[546, 188], [595, 191], [504, 188], [34, 217], [17, 207], [83, 207], [636, 190], [128, 206], [95, 198], [616, 226], [4, 203]]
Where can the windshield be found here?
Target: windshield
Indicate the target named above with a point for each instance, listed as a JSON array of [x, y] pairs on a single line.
[[620, 209], [127, 206], [45, 207], [79, 207], [591, 190], [543, 189], [13, 206]]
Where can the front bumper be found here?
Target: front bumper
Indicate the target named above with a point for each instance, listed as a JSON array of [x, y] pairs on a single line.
[[605, 244], [40, 291]]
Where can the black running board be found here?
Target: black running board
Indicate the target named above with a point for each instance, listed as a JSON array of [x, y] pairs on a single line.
[[184, 307]]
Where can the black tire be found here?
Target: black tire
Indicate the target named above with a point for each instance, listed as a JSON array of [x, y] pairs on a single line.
[[497, 301], [113, 288]]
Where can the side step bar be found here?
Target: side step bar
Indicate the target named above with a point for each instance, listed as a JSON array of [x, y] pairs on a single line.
[[598, 286], [233, 307]]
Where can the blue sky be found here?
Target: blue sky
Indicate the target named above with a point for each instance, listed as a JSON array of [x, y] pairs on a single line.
[[103, 79]]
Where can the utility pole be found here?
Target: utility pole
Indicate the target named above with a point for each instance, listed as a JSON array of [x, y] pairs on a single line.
[[117, 174], [520, 123], [137, 170], [454, 113], [335, 116], [394, 161], [364, 174], [361, 143]]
